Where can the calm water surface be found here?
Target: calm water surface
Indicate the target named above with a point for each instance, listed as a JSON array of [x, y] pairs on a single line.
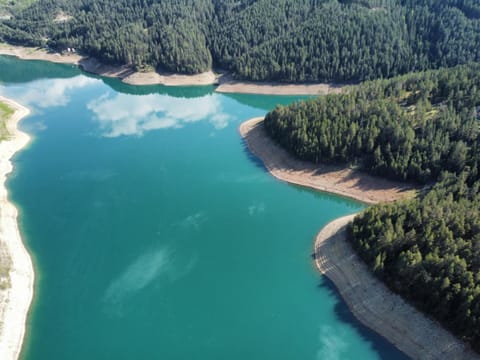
[[155, 235]]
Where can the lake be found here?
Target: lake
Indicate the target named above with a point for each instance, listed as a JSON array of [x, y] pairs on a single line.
[[155, 234]]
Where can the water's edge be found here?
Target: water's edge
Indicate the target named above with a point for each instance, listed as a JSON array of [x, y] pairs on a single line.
[[18, 297], [331, 249]]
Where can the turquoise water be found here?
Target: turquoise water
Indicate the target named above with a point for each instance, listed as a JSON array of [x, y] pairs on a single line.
[[156, 235]]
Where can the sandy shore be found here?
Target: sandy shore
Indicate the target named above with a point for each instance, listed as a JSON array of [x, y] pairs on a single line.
[[368, 299], [14, 301], [229, 85], [333, 179], [125, 73], [129, 76], [376, 306]]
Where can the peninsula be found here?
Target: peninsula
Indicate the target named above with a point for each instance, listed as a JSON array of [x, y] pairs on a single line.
[[420, 128], [369, 300], [339, 180]]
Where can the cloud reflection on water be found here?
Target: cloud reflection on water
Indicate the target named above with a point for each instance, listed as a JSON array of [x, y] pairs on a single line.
[[143, 271], [256, 208], [333, 346], [123, 114], [156, 267], [53, 92], [193, 221]]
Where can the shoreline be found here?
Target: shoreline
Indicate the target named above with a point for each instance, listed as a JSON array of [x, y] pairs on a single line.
[[370, 301], [129, 76], [15, 300], [376, 306], [229, 85], [224, 83], [338, 180], [124, 73]]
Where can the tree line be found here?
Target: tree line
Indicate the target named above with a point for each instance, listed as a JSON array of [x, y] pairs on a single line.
[[284, 40]]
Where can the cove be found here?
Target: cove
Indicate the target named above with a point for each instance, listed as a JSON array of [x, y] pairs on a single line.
[[155, 234]]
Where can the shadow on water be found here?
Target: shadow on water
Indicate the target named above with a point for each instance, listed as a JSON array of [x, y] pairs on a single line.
[[264, 102], [24, 71], [336, 198], [175, 91], [252, 157], [30, 70], [385, 349]]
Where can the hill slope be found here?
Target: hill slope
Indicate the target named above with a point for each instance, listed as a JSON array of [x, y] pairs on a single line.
[[285, 40]]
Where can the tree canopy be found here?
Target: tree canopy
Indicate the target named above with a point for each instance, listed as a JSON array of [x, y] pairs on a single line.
[[411, 127], [428, 250], [284, 40]]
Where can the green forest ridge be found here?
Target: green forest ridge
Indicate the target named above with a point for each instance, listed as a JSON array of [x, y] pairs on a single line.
[[283, 40], [423, 128]]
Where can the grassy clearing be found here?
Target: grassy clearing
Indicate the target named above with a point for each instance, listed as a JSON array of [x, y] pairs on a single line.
[[5, 113], [5, 266]]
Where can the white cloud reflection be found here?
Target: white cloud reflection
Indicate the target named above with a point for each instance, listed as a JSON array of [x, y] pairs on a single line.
[[53, 92], [194, 221], [134, 115], [333, 345], [256, 208], [138, 275], [149, 271]]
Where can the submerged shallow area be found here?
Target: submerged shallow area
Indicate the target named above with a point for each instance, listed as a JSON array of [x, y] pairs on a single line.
[[155, 234]]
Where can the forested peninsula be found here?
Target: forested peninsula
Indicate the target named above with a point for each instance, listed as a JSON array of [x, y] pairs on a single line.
[[275, 40], [422, 128]]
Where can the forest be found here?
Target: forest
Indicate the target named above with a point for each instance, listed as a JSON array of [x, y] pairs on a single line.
[[411, 127], [282, 40], [421, 128], [428, 250]]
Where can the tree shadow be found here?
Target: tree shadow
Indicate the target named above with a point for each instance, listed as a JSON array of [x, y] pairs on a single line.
[[381, 345], [174, 91], [24, 71], [265, 102], [252, 157], [366, 182]]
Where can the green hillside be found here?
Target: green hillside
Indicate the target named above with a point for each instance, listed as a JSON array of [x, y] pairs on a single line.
[[285, 40]]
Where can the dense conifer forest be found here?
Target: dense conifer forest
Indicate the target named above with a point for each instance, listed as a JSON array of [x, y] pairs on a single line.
[[428, 250], [411, 127], [284, 40], [423, 128]]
